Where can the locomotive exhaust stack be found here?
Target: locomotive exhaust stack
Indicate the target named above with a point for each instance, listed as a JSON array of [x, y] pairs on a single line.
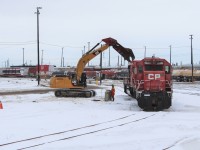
[[150, 82]]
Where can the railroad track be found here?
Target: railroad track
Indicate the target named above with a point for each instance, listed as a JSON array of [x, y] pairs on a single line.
[[73, 133]]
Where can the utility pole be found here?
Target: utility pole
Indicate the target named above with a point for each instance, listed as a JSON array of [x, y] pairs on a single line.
[[88, 50], [145, 50], [191, 55], [100, 66], [118, 61], [170, 55], [42, 58], [121, 60], [38, 46], [61, 57], [23, 56], [8, 63], [63, 61], [109, 58]]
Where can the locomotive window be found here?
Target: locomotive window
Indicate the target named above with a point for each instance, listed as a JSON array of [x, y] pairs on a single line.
[[140, 69], [148, 67], [153, 67], [167, 69], [158, 68]]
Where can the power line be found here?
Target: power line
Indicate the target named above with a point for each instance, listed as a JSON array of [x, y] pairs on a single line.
[[19, 42], [181, 47], [162, 47], [44, 43], [13, 44], [60, 45]]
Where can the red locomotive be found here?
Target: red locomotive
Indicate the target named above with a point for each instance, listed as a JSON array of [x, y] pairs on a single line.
[[150, 82]]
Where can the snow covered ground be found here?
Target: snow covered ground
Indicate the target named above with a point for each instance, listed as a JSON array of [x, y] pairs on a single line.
[[46, 122]]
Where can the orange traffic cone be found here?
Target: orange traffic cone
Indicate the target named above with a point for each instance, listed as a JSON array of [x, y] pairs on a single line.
[[1, 105]]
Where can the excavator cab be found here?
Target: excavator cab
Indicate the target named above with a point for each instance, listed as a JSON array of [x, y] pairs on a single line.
[[83, 80]]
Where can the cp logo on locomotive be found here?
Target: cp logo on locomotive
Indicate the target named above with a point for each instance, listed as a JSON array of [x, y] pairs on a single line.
[[153, 76]]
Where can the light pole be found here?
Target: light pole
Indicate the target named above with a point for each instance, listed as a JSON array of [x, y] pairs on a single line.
[[109, 57], [23, 57], [191, 55], [62, 57], [100, 67], [38, 46], [63, 62], [88, 51], [170, 55], [42, 58]]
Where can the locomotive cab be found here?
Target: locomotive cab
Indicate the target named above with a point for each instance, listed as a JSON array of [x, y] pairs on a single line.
[[150, 82]]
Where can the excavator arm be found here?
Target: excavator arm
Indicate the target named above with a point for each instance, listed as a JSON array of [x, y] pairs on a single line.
[[125, 52]]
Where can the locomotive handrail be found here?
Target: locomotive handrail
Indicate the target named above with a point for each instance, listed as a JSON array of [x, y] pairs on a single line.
[[139, 83], [170, 83]]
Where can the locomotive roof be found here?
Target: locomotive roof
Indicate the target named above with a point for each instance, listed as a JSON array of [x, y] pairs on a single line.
[[150, 58]]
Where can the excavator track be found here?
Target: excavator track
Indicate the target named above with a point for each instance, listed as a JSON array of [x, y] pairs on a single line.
[[74, 93]]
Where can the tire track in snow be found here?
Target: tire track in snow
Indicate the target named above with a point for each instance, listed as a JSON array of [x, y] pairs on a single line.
[[81, 131], [175, 143], [56, 133]]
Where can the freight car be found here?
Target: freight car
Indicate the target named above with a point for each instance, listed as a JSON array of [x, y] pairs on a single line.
[[149, 81], [14, 72], [185, 75]]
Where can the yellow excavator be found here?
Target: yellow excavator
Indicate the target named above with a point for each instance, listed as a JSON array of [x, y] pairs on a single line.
[[71, 85]]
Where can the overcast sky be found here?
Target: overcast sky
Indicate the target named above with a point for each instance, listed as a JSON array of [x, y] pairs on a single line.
[[71, 24]]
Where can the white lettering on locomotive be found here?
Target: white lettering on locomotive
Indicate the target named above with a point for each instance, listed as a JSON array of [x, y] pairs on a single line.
[[153, 76], [157, 76]]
